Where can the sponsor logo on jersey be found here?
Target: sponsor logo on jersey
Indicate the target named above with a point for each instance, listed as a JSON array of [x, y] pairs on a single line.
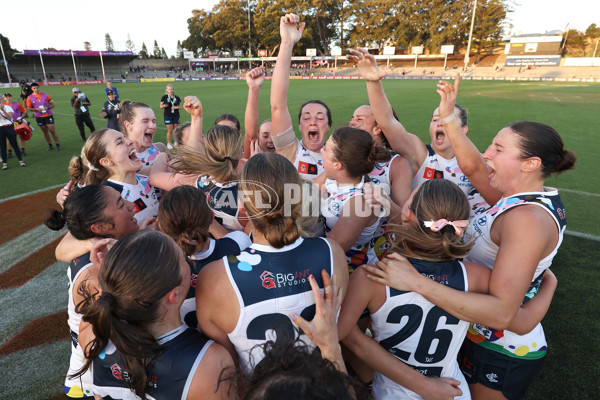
[[153, 381], [431, 173], [306, 168], [267, 279], [482, 330], [118, 373], [492, 377], [278, 280], [139, 205], [443, 279]]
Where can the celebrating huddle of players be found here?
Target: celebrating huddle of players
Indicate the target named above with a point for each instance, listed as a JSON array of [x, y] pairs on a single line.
[[233, 267]]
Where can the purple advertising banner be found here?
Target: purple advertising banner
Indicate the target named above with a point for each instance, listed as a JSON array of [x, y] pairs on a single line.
[[84, 53]]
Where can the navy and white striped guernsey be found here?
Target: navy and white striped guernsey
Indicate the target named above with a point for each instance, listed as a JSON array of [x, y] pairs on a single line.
[[172, 371], [270, 284], [419, 333]]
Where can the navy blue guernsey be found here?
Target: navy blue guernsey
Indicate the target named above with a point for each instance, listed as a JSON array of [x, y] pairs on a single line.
[[270, 284], [419, 333], [171, 373], [220, 248]]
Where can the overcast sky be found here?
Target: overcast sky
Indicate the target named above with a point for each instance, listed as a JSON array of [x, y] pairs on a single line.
[[38, 24]]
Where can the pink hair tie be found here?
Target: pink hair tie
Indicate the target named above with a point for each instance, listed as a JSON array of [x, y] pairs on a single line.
[[437, 226]]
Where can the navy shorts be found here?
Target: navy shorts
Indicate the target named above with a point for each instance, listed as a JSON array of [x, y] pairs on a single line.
[[41, 121], [171, 120], [509, 375]]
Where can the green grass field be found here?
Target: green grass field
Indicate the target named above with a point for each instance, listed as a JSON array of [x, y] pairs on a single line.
[[570, 108], [571, 370]]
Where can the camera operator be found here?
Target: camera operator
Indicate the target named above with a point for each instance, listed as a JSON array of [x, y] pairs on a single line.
[[81, 105]]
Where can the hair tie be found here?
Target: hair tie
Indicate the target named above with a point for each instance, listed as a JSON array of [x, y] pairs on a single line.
[[108, 298], [437, 226], [90, 166], [227, 158]]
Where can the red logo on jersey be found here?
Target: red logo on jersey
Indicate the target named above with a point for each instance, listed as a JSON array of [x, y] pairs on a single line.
[[267, 280], [306, 168], [116, 371], [303, 167], [431, 173]]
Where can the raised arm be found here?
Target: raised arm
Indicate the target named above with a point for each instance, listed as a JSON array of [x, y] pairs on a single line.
[[193, 106], [466, 153], [284, 141], [404, 143], [254, 78]]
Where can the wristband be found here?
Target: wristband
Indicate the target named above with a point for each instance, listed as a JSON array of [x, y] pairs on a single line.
[[448, 119], [284, 139]]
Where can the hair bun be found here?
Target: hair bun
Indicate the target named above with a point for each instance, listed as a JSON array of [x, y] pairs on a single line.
[[567, 162]]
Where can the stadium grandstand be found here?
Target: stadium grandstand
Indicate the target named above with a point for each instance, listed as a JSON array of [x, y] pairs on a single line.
[[60, 66]]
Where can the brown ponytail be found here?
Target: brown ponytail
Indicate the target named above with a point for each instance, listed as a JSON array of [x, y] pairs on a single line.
[[263, 182]]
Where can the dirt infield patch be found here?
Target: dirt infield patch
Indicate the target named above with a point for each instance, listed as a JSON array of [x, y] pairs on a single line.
[[25, 213], [27, 269], [49, 329]]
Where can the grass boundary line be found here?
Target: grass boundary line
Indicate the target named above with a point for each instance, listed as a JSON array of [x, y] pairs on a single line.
[[579, 192], [583, 235], [18, 196]]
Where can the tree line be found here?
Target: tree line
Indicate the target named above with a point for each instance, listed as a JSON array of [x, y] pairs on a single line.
[[347, 23]]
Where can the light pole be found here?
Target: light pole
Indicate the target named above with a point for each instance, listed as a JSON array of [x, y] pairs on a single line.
[[470, 35], [249, 38], [6, 64]]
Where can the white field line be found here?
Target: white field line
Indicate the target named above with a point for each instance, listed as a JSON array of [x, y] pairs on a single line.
[[28, 243], [555, 97], [583, 235], [43, 295], [579, 192], [33, 192]]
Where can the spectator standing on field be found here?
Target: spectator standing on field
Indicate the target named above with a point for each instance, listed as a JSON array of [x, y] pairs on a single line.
[[18, 113], [41, 104], [25, 92], [80, 104], [109, 87], [7, 131], [111, 111]]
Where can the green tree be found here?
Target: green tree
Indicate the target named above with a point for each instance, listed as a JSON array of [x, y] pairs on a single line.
[[87, 45], [431, 23], [144, 51], [163, 54], [8, 51], [109, 43], [197, 41], [179, 51], [575, 43], [227, 25], [129, 44], [156, 53], [592, 31], [488, 28]]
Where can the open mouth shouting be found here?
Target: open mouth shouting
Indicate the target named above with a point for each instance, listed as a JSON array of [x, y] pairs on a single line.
[[133, 156], [440, 136]]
